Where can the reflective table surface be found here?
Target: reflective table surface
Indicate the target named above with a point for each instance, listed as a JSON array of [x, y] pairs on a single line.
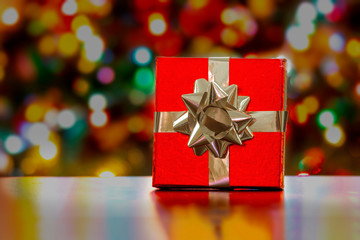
[[129, 208]]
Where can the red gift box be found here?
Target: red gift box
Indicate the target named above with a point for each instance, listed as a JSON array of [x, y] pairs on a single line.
[[258, 163]]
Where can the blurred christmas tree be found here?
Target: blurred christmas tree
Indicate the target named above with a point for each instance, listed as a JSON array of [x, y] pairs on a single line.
[[77, 78]]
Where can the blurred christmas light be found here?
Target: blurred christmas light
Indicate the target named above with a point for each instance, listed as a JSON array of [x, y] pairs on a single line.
[[301, 113], [329, 66], [84, 32], [86, 66], [324, 6], [106, 174], [68, 44], [157, 24], [98, 118], [48, 150], [94, 47], [51, 117], [326, 118], [97, 102], [106, 75], [353, 47], [81, 86], [47, 45], [229, 16], [137, 97], [303, 80], [144, 79], [69, 7], [297, 38], [135, 124], [303, 174], [306, 12], [335, 135], [10, 16], [142, 56], [311, 103], [4, 162], [79, 21], [337, 42], [38, 133], [14, 144], [66, 119], [34, 112], [98, 3], [50, 18], [335, 79], [357, 89], [261, 8]]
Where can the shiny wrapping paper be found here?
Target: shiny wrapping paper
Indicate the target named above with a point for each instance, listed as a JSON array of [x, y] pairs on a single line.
[[258, 162]]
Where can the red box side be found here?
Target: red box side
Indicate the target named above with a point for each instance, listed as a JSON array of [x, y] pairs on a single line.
[[175, 77], [259, 162], [175, 164], [261, 79]]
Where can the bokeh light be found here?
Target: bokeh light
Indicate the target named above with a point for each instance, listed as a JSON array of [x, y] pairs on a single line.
[[335, 136], [106, 174], [325, 6], [142, 56], [68, 44], [14, 144], [97, 102], [106, 75], [5, 161], [66, 119], [337, 42], [48, 150], [94, 47], [144, 79], [38, 133], [157, 24], [353, 47], [326, 118], [306, 12], [10, 16], [98, 118], [298, 38], [69, 7]]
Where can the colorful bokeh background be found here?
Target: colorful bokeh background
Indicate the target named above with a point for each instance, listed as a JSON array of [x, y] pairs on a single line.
[[77, 78]]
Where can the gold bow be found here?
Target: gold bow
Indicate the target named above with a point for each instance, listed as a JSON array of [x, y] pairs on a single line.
[[215, 118]]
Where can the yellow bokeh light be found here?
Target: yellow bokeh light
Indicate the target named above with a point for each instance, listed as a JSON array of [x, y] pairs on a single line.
[[353, 47], [50, 18], [10, 16], [261, 8], [311, 103], [86, 66], [157, 24], [79, 21], [229, 37], [106, 174], [34, 112], [29, 165], [136, 124], [68, 44], [197, 4], [335, 135], [47, 45], [81, 86], [301, 113], [335, 79]]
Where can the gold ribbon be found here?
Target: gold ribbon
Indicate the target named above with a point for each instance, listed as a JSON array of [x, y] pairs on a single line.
[[217, 118]]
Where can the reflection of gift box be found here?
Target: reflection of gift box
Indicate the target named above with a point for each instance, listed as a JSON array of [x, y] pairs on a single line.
[[221, 214], [227, 131]]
